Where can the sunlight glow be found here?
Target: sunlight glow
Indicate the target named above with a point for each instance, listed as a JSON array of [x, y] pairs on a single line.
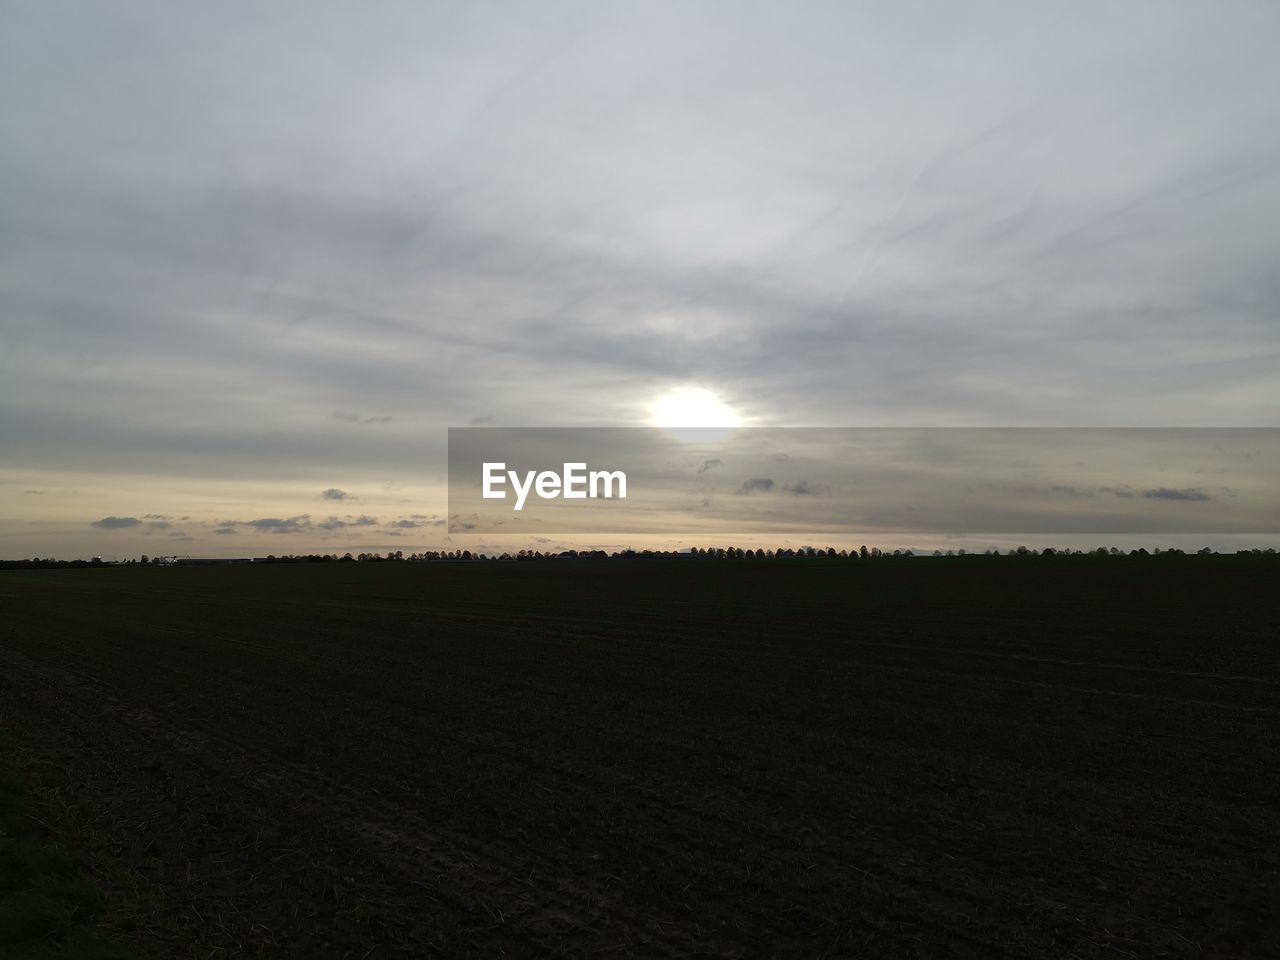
[[693, 413], [692, 407]]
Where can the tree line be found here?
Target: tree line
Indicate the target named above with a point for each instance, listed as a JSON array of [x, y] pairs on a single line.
[[696, 553]]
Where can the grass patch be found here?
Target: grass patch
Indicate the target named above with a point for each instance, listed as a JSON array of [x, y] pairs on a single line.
[[47, 905]]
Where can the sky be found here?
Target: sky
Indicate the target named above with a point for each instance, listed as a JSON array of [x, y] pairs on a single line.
[[869, 483], [256, 259]]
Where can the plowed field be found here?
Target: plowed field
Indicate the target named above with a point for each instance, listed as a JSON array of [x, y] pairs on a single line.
[[971, 757]]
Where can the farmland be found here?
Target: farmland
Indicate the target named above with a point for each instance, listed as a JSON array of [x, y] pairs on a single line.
[[970, 757]]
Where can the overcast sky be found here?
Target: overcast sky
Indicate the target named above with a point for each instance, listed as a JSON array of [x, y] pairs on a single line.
[[254, 259]]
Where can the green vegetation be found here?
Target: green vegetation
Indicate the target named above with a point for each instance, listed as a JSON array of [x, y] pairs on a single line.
[[46, 904]]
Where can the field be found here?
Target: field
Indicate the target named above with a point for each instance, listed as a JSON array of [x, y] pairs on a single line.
[[971, 757]]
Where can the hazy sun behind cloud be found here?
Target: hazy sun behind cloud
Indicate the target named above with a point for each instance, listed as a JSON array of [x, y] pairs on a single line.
[[688, 407]]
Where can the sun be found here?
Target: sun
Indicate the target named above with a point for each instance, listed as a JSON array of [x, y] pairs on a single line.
[[693, 413]]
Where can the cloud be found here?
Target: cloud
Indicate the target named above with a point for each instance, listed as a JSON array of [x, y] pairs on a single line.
[[910, 274], [117, 523], [298, 524], [225, 531], [415, 520], [800, 488], [336, 523], [158, 525], [333, 493], [1152, 493], [32, 492], [357, 418], [1168, 493], [710, 464], [1125, 492], [180, 535], [756, 485]]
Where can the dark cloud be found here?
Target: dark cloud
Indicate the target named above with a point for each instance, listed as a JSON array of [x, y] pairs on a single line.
[[298, 524], [756, 485], [1125, 492], [1151, 493], [800, 488], [158, 525], [1168, 493], [180, 535], [710, 464], [225, 531], [357, 418], [333, 493], [434, 518], [338, 523], [117, 523], [419, 520]]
